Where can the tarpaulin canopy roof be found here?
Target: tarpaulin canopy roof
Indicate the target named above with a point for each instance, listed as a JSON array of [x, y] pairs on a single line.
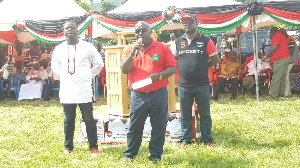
[[126, 16], [214, 16], [12, 11], [42, 18]]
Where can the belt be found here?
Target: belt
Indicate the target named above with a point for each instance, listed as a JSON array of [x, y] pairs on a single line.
[[147, 92]]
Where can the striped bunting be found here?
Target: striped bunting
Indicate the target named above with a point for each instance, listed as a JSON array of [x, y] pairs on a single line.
[[210, 19], [52, 31], [287, 12]]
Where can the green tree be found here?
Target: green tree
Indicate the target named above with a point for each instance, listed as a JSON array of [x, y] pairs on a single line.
[[164, 36], [123, 2], [106, 6], [84, 5]]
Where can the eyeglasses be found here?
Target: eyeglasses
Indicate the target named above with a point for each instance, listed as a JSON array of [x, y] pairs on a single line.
[[138, 31], [188, 22]]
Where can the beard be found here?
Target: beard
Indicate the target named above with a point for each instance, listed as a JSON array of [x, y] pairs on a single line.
[[190, 31]]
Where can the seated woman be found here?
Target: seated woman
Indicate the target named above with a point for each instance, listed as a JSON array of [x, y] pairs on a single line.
[[33, 89]]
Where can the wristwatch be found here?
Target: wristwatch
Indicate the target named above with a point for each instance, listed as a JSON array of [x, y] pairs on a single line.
[[160, 76]]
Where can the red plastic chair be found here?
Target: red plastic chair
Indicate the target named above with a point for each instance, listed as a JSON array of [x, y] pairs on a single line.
[[212, 78], [268, 79]]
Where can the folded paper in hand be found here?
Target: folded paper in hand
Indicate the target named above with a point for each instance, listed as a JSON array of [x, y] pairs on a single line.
[[141, 83]]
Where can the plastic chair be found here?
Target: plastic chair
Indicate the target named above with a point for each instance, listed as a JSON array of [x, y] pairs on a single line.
[[54, 90], [104, 85], [15, 84], [267, 80], [212, 78]]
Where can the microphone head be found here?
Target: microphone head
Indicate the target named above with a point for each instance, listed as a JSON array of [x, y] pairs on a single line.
[[140, 40]]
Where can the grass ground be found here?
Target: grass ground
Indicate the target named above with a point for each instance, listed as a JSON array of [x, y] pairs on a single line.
[[246, 133]]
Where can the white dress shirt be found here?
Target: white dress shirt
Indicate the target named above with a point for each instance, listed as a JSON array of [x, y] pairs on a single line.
[[260, 66], [73, 64]]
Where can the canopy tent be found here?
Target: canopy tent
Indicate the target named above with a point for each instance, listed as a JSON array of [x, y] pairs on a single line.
[[284, 11], [213, 16], [12, 11], [166, 15], [42, 18], [7, 37]]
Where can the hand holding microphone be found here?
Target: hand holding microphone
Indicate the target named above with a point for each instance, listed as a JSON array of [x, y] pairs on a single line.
[[138, 49]]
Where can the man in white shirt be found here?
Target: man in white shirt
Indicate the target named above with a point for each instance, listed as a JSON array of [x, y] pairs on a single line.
[[72, 60], [262, 69]]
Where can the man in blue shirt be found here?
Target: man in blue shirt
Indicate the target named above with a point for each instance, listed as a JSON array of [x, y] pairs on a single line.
[[266, 44]]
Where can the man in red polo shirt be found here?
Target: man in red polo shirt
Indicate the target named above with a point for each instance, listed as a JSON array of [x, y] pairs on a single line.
[[280, 58], [147, 58]]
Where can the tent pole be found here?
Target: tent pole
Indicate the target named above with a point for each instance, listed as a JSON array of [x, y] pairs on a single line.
[[254, 36], [238, 46]]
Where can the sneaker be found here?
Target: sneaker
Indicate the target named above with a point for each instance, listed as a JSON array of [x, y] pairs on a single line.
[[94, 152], [67, 151], [183, 145], [208, 144]]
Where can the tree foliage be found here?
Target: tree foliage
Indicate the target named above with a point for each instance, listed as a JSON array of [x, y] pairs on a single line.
[[84, 5], [123, 2], [107, 6], [164, 36]]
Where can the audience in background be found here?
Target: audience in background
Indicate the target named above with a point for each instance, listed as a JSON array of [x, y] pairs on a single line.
[[33, 89], [262, 69], [54, 82], [266, 44], [230, 69]]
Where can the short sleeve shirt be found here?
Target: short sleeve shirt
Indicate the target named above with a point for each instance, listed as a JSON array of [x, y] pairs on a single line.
[[155, 59], [282, 50]]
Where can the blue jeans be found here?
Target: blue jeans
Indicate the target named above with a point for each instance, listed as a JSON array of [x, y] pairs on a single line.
[[202, 97], [69, 124], [156, 105]]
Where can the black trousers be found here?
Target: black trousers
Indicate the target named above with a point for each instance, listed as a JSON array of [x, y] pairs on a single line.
[[47, 90], [221, 81], [69, 124]]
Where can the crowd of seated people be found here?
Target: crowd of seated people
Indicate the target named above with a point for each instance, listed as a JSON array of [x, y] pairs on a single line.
[[32, 68], [230, 73]]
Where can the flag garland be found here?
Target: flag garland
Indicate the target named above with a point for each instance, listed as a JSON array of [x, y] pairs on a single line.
[[214, 19], [52, 31]]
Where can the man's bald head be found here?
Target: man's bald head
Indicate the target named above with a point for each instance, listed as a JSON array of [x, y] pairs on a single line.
[[172, 36], [273, 31]]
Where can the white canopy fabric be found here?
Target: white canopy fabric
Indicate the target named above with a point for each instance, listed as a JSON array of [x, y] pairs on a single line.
[[12, 11], [161, 5]]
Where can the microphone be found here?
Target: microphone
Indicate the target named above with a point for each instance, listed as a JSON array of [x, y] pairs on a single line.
[[137, 50]]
